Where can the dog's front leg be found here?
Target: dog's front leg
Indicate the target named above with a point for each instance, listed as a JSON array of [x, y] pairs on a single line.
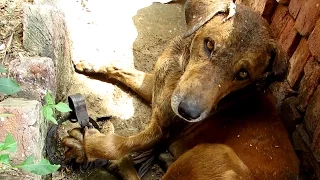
[[140, 82], [111, 146]]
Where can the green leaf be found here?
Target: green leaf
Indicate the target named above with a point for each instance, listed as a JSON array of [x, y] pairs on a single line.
[[48, 114], [48, 98], [8, 86], [62, 107], [47, 111], [9, 144], [42, 167], [29, 160], [4, 159], [2, 69], [5, 115], [52, 119]]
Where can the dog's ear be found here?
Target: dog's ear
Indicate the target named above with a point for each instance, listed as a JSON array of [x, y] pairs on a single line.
[[278, 62], [277, 68], [198, 12]]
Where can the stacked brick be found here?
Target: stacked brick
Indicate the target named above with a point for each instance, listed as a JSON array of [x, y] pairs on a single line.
[[295, 24]]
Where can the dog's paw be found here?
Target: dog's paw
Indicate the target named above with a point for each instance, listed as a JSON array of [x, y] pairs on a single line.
[[83, 66], [74, 144]]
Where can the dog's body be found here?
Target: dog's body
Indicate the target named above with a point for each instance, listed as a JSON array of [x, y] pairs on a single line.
[[220, 54]]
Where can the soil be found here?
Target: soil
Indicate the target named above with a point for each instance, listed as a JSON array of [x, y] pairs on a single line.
[[11, 31]]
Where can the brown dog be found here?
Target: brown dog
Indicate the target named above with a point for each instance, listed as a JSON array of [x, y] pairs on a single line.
[[225, 49]]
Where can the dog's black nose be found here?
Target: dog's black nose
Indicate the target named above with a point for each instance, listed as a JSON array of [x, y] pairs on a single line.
[[189, 111]]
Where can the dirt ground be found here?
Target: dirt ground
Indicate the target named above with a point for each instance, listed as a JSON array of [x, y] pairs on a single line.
[[133, 35], [11, 30]]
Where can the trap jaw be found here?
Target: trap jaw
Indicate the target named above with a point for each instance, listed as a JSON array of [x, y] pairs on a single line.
[[79, 112]]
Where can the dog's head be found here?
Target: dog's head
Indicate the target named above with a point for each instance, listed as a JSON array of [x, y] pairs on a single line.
[[227, 53]]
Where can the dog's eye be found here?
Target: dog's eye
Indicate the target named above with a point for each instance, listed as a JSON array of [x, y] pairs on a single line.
[[209, 45], [242, 75]]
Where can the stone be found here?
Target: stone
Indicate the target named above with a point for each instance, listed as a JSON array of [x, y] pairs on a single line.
[[27, 126], [313, 41], [294, 7], [281, 90], [289, 113], [35, 75], [289, 37], [308, 83], [297, 62], [312, 116], [45, 33], [307, 17], [279, 20]]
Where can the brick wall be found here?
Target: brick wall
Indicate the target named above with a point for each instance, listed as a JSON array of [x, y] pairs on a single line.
[[295, 24]]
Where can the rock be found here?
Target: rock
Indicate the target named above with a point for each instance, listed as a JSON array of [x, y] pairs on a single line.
[[35, 76], [297, 62], [312, 116], [45, 33], [314, 43], [307, 17], [27, 126], [308, 83], [294, 7]]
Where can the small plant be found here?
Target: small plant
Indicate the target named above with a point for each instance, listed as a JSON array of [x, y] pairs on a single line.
[[7, 85], [43, 167], [48, 108]]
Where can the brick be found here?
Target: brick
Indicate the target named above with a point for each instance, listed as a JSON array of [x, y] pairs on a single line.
[[301, 139], [289, 113], [35, 76], [315, 146], [283, 1], [263, 7], [312, 116], [308, 83], [268, 8], [297, 62], [307, 17], [281, 90], [294, 7], [314, 41], [279, 20], [27, 126], [49, 39], [289, 37]]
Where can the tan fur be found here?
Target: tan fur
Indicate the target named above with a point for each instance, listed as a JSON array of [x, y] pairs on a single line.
[[189, 84]]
